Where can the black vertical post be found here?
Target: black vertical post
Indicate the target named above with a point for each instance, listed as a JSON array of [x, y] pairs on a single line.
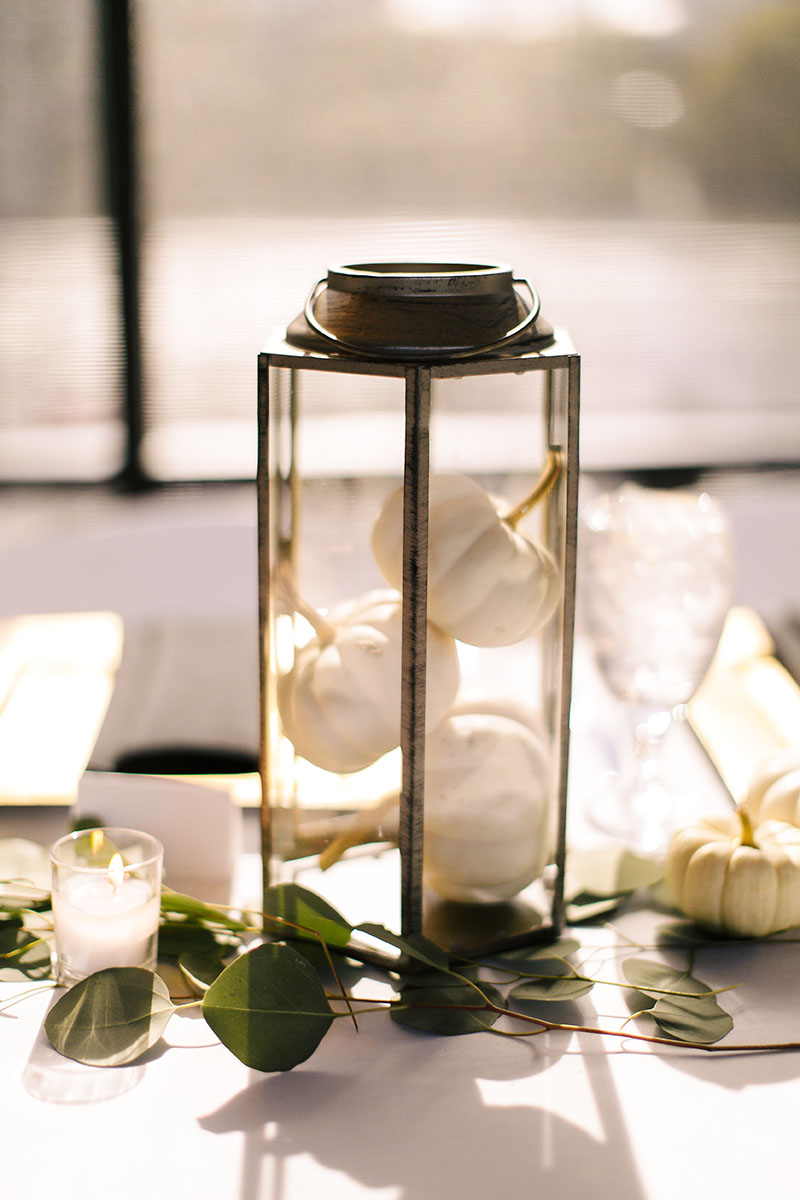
[[264, 649], [115, 20], [415, 629]]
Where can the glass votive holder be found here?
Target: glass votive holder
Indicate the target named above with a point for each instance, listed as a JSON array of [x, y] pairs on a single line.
[[106, 900]]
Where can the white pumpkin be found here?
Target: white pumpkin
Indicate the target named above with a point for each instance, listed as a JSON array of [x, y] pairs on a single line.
[[774, 789], [488, 585], [340, 702], [725, 875], [488, 805]]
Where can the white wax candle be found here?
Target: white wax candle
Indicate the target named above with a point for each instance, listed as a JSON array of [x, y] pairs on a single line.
[[101, 923]]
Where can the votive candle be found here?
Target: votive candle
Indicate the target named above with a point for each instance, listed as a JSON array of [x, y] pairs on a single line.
[[106, 901]]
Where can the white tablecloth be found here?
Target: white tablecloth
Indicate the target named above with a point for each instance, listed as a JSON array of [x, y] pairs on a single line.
[[387, 1112]]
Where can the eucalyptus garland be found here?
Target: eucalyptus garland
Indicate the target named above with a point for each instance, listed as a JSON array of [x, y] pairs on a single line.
[[270, 985]]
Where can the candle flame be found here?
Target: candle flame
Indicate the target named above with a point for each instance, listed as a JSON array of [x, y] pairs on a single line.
[[116, 871], [96, 840]]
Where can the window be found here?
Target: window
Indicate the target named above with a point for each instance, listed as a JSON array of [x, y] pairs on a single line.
[[639, 160], [60, 335]]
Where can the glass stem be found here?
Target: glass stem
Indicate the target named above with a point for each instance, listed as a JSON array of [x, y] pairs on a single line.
[[648, 799], [650, 729]]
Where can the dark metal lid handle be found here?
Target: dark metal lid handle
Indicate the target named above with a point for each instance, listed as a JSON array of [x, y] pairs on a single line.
[[434, 352]]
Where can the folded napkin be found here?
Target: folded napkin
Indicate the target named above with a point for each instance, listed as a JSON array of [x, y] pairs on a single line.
[[748, 706]]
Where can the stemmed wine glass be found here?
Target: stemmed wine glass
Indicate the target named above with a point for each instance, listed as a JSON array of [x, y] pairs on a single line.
[[657, 584]]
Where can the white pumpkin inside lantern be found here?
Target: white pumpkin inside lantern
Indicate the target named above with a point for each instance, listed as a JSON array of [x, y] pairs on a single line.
[[340, 702], [488, 807], [488, 584]]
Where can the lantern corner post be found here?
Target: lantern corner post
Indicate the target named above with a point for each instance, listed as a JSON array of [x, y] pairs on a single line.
[[416, 477], [263, 554], [570, 551]]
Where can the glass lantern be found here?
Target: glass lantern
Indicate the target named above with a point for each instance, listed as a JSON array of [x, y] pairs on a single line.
[[417, 501]]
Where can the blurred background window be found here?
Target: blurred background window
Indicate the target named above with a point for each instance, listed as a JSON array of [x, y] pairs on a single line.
[[639, 160], [60, 333]]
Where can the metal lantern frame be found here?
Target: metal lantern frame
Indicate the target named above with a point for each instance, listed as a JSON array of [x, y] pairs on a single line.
[[560, 364]]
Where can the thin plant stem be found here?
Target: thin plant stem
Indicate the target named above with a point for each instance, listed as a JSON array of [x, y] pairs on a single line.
[[550, 473], [42, 987], [564, 1027]]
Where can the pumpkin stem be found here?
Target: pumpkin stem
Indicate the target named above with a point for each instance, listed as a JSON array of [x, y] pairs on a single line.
[[747, 836], [288, 594], [550, 473]]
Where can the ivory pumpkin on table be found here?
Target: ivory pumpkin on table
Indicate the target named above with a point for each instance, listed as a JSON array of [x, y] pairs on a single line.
[[774, 789], [488, 584], [340, 702], [728, 876], [488, 807]]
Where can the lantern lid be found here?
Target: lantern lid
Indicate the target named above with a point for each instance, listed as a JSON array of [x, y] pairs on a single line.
[[421, 311]]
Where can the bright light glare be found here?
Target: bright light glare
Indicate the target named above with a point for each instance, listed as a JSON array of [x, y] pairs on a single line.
[[516, 19], [510, 18], [647, 98], [642, 18]]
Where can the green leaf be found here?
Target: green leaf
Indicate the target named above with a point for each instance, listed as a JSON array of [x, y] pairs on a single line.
[[587, 907], [415, 945], [306, 909], [23, 955], [24, 869], [184, 937], [554, 987], [534, 954], [694, 1016], [200, 970], [268, 1007], [601, 878], [551, 976], [13, 903], [110, 1018], [654, 978], [610, 870], [320, 957], [431, 977], [435, 1010], [176, 903], [9, 928]]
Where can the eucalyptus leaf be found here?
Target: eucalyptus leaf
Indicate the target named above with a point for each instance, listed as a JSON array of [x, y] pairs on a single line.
[[587, 907], [268, 1007], [539, 967], [185, 937], [654, 978], [9, 928], [692, 1018], [200, 971], [415, 945], [554, 987], [522, 955], [320, 957], [691, 1015], [431, 977], [18, 898], [610, 870], [306, 909], [177, 903], [23, 956], [24, 866], [435, 1009], [111, 1018]]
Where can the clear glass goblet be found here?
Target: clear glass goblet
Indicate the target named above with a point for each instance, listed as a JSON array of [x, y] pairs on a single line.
[[657, 569]]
